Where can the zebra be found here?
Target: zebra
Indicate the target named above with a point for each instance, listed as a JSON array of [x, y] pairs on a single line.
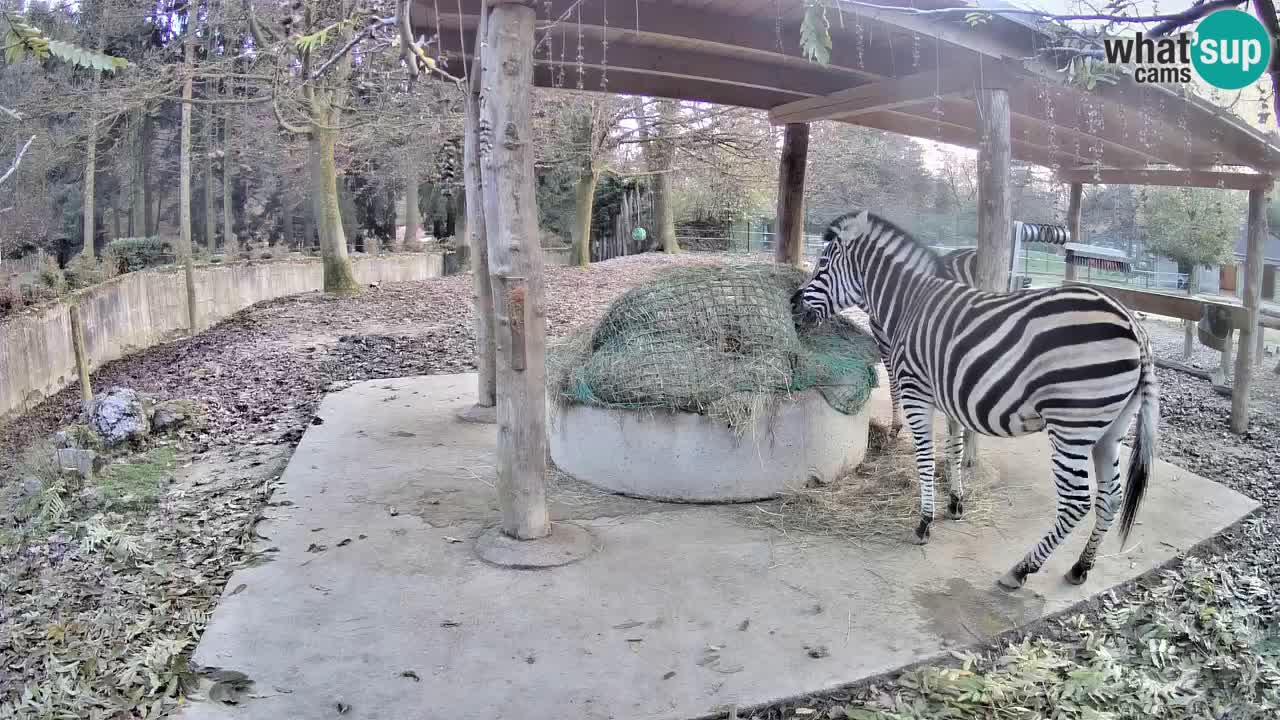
[[962, 266], [1068, 361]]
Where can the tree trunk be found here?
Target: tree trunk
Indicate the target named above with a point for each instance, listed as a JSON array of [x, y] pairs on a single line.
[[210, 208], [659, 153], [584, 200], [412, 215], [229, 244], [515, 254], [1074, 206], [450, 215], [90, 170], [790, 236], [137, 193], [486, 368], [994, 225], [289, 233], [184, 190], [148, 226], [339, 278], [1189, 326]]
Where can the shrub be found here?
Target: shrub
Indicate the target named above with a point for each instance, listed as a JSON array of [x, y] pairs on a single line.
[[10, 299], [52, 277], [133, 254], [82, 272]]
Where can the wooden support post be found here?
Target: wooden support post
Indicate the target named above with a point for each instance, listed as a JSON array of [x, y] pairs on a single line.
[[1225, 361], [1262, 346], [1252, 298], [515, 260], [994, 224], [795, 153], [486, 381], [82, 353], [1073, 224]]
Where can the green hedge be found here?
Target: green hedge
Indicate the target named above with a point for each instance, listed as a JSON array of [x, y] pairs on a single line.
[[132, 254]]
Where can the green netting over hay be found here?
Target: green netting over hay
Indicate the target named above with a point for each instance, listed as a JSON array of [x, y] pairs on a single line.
[[713, 340]]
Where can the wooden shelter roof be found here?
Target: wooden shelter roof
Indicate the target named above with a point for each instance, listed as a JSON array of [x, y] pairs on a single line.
[[906, 73]]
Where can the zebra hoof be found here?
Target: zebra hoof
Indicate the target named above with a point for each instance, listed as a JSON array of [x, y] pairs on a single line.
[[1011, 581], [921, 534], [956, 508], [1077, 574]]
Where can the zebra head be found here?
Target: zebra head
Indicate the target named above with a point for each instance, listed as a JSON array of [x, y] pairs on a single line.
[[834, 285]]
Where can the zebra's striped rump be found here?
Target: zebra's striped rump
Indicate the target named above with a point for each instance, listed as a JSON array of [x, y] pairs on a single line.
[[1069, 361]]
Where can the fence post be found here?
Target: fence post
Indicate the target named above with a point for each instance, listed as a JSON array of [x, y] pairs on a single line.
[[82, 354]]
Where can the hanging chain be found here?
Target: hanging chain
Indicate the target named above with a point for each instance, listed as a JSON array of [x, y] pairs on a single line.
[[857, 36], [777, 8], [582, 66], [604, 50], [564, 41], [548, 38]]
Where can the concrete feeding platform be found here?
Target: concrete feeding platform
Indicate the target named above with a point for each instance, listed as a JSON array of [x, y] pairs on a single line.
[[628, 631]]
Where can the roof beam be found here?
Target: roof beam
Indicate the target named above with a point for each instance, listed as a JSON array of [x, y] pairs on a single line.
[[884, 95], [672, 63], [1168, 178], [953, 134], [646, 21]]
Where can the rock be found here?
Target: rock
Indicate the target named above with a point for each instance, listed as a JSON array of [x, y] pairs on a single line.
[[173, 414], [85, 463], [119, 415]]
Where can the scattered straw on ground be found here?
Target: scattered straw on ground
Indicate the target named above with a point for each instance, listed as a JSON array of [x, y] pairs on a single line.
[[878, 500]]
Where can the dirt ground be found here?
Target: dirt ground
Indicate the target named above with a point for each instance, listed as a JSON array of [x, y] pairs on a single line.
[[260, 376]]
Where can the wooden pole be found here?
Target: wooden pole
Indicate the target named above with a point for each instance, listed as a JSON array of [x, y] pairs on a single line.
[[82, 354], [994, 225], [1262, 346], [482, 292], [795, 153], [1251, 296], [515, 259], [1073, 224]]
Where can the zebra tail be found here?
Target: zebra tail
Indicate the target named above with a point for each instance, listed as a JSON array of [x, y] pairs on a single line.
[[1142, 459]]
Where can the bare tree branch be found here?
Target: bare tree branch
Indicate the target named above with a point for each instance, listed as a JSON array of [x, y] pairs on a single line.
[[1266, 11], [11, 113], [1193, 14], [1173, 21], [17, 161], [355, 40]]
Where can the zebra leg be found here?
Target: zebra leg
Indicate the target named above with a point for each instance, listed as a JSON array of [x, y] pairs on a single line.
[[1106, 469], [896, 399], [1071, 478], [955, 473], [970, 448], [920, 419]]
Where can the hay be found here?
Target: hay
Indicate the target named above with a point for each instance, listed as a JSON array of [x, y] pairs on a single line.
[[877, 501], [714, 340]]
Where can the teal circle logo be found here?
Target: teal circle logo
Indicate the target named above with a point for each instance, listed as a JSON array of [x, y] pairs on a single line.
[[1232, 49]]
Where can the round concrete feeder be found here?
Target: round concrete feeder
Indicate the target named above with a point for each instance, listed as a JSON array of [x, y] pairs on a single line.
[[684, 457]]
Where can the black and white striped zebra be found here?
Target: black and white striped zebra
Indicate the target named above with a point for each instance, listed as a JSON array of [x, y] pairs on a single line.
[[962, 266], [1069, 361]]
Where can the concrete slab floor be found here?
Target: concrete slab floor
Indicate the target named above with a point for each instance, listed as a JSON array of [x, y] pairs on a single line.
[[681, 610]]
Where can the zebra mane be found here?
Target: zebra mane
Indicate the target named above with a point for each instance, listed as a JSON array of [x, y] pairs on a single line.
[[863, 225]]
